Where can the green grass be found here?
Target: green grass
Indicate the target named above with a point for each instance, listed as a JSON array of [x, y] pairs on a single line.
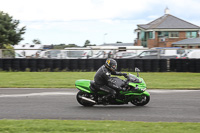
[[63, 126], [168, 80]]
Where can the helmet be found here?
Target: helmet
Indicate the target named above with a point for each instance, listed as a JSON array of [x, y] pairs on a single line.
[[111, 64]]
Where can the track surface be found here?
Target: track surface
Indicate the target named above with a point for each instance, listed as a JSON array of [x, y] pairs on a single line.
[[165, 105]]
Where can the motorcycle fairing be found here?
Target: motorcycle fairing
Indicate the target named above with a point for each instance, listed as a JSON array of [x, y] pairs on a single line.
[[83, 85], [140, 85]]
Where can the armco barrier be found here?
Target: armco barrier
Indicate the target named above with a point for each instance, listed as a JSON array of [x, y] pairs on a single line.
[[145, 65]]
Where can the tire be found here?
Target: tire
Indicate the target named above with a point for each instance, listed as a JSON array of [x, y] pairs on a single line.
[[83, 102], [145, 99]]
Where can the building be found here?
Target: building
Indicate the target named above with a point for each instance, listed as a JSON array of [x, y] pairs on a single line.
[[165, 30], [188, 43], [28, 50]]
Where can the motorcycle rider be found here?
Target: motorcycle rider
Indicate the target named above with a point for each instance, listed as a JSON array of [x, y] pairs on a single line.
[[103, 79]]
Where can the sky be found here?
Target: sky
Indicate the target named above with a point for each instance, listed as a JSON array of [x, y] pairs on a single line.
[[99, 21]]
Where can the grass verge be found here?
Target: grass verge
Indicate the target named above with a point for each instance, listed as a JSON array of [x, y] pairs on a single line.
[[168, 80], [61, 126]]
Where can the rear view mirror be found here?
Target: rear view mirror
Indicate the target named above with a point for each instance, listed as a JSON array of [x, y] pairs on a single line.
[[137, 69]]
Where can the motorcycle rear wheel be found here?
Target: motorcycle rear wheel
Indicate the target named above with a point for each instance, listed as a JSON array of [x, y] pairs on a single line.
[[141, 101], [82, 101]]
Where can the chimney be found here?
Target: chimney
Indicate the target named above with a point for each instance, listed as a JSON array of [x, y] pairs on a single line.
[[166, 10]]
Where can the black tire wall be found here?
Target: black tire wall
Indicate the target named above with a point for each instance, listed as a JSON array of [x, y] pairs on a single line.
[[145, 65]]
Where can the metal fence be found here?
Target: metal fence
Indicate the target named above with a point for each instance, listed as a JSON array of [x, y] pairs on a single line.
[[88, 53]]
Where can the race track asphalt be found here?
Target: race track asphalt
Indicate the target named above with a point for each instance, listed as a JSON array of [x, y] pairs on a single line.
[[165, 105]]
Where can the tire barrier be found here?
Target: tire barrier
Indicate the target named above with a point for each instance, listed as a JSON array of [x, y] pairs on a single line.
[[32, 65], [185, 65], [40, 65], [89, 64], [155, 65], [122, 65], [48, 64], [24, 64], [198, 66], [130, 65], [98, 63], [7, 64], [81, 64], [162, 65], [139, 64], [192, 65], [145, 65], [57, 64], [15, 65], [73, 65], [1, 64], [65, 65]]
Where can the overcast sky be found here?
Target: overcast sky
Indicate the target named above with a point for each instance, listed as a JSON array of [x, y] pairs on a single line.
[[109, 21]]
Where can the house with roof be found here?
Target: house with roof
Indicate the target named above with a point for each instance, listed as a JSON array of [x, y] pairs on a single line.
[[188, 43], [164, 31]]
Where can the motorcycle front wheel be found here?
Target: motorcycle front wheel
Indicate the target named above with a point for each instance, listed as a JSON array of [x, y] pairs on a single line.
[[82, 101], [141, 100]]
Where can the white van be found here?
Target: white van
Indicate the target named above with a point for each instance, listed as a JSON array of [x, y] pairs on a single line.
[[66, 54], [171, 51], [192, 54]]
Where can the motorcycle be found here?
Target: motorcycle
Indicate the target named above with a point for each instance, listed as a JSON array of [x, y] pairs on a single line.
[[135, 91]]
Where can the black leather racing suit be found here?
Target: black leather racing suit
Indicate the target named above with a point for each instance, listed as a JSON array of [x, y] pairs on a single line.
[[102, 78]]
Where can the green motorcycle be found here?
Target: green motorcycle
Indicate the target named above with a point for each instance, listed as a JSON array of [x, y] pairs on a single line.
[[135, 92]]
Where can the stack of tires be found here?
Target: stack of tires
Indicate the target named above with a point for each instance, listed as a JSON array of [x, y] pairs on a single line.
[[198, 65], [56, 64], [73, 64], [6, 64], [130, 65], [163, 65], [98, 63], [1, 64], [32, 65], [40, 64], [172, 65], [192, 65], [48, 64], [122, 64], [139, 64], [65, 64], [24, 64], [147, 65], [15, 65], [155, 65], [89, 64]]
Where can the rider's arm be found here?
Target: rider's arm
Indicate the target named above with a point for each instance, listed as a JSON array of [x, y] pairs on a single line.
[[119, 73]]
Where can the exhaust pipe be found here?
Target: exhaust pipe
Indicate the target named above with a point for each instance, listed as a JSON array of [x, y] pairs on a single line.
[[87, 99]]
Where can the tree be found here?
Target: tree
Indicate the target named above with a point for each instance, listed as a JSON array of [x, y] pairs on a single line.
[[10, 34], [87, 43], [36, 41], [118, 42], [63, 46]]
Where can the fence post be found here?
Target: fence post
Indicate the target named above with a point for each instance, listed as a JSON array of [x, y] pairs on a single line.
[[1, 53]]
